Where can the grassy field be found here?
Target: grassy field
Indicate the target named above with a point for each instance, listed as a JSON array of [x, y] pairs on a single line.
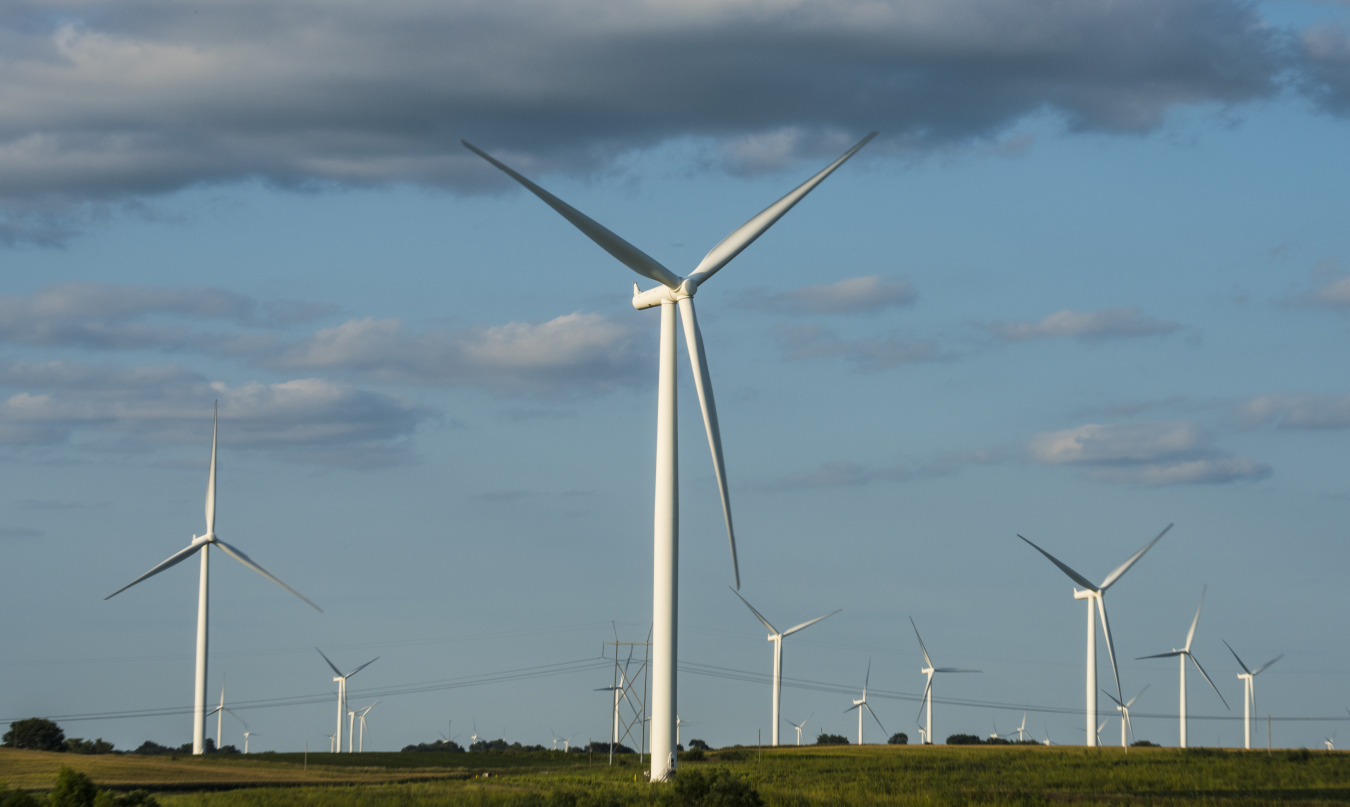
[[812, 775]]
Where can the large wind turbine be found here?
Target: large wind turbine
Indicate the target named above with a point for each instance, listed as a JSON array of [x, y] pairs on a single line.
[[203, 544], [342, 694], [1183, 654], [674, 291], [862, 704], [928, 688], [1249, 693], [1096, 595], [776, 636], [1124, 709]]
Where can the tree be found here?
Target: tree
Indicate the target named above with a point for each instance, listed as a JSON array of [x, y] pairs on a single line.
[[77, 745], [898, 739], [964, 739], [35, 733], [699, 744], [15, 798], [73, 789], [831, 739]]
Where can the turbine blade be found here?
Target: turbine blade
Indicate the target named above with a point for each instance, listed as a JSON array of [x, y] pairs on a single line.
[[1235, 655], [923, 701], [874, 717], [362, 667], [745, 235], [1112, 697], [703, 385], [238, 555], [174, 559], [757, 614], [954, 669], [809, 623], [926, 659], [1211, 683], [211, 480], [1110, 645], [336, 671], [1075, 576], [1125, 567], [231, 713], [1190, 635], [1258, 670], [624, 252], [851, 708], [1136, 697], [868, 677], [1162, 655]]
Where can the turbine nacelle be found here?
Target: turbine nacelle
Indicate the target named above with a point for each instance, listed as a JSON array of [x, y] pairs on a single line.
[[1085, 595], [661, 295]]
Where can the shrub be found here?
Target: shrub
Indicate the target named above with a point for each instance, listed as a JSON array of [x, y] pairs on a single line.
[[152, 748], [699, 744], [831, 739], [964, 739], [898, 739], [35, 733], [718, 787], [1144, 744], [693, 755], [76, 745], [73, 789], [15, 798]]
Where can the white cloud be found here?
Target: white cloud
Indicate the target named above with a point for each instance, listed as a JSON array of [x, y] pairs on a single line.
[[1155, 454], [1106, 323], [1299, 411], [1335, 293], [854, 295]]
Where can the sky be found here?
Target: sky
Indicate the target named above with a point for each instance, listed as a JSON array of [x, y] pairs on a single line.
[[1091, 278]]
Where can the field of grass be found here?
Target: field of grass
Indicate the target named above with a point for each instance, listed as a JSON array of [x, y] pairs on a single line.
[[811, 775]]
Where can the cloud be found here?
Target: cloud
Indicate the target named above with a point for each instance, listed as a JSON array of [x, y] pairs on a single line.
[[1298, 411], [1335, 293], [854, 295], [799, 342], [1154, 454], [308, 420], [100, 316], [570, 354], [1326, 55], [102, 105], [846, 473], [1085, 326]]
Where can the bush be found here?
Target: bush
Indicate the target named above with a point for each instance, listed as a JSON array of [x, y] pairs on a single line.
[[964, 739], [693, 755], [699, 744], [718, 787], [831, 739], [35, 733], [15, 798], [1144, 744], [441, 746], [76, 745], [152, 748], [898, 739], [73, 789]]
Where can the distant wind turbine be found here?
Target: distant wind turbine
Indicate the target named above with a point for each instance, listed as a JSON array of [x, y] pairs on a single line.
[[342, 694], [1183, 654], [929, 670], [1249, 693], [1021, 730], [798, 727], [862, 704], [1330, 741], [247, 734], [672, 292], [1124, 709], [361, 716], [776, 636], [203, 544], [1096, 596]]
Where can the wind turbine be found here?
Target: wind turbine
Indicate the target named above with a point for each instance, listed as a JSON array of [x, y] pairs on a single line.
[[776, 636], [473, 738], [203, 544], [798, 727], [219, 712], [860, 705], [247, 734], [1047, 734], [1099, 732], [342, 695], [1183, 654], [567, 743], [679, 723], [1096, 596], [1124, 709], [332, 743], [1249, 693], [930, 670], [361, 716], [1021, 730], [675, 292], [1330, 742]]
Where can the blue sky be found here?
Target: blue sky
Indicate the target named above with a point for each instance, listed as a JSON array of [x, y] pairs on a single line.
[[1076, 292]]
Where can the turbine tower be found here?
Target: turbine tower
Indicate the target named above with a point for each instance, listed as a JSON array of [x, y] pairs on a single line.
[[674, 292], [203, 544], [342, 695], [361, 716], [1249, 693], [1096, 597], [1183, 654], [860, 705], [798, 727], [930, 670], [1124, 709], [776, 636]]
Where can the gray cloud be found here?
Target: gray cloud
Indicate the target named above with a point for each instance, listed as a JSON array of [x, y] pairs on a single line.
[[1085, 326], [1154, 454], [1326, 54], [570, 354], [1298, 411], [846, 473], [308, 420], [101, 103], [799, 342], [853, 295]]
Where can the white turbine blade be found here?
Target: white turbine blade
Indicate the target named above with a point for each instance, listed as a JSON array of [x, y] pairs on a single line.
[[1125, 567], [626, 253], [1162, 655], [923, 701], [238, 555], [926, 659], [1190, 635], [1129, 724], [1211, 683], [1112, 697], [1075, 576], [174, 559], [809, 623], [703, 385], [1110, 646], [857, 705], [874, 717], [362, 667], [211, 480], [954, 669], [336, 671], [745, 235], [1258, 670], [231, 713], [757, 614], [867, 678], [1235, 655], [1136, 697]]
